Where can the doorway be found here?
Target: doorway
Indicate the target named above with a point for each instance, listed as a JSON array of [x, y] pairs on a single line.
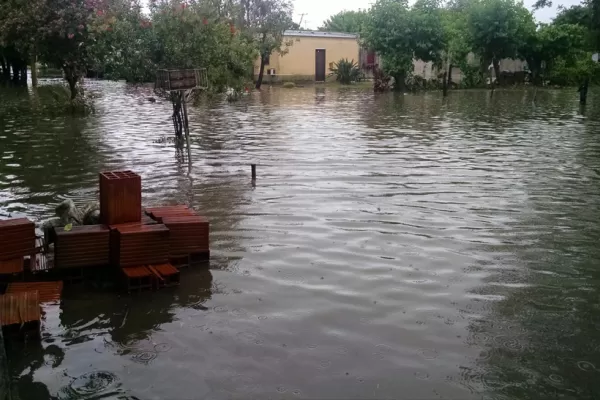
[[320, 65]]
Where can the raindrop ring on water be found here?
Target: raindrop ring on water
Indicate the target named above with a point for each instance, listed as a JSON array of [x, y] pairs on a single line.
[[554, 378], [481, 337], [422, 375], [162, 347], [586, 366], [92, 382], [428, 354], [145, 357]]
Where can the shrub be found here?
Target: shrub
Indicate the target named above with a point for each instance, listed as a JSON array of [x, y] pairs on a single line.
[[573, 73], [289, 85], [346, 71], [381, 81], [56, 99]]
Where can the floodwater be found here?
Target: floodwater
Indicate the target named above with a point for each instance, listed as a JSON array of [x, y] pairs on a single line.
[[392, 247]]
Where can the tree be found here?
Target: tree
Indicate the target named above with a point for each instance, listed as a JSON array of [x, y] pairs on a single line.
[[125, 44], [296, 27], [265, 21], [399, 34], [196, 35], [550, 43], [574, 15], [498, 29], [579, 67], [345, 21], [456, 36], [587, 16], [19, 35], [65, 35]]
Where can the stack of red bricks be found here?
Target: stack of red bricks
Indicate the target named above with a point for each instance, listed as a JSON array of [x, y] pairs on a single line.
[[48, 292], [135, 244], [20, 312], [120, 197], [189, 232], [17, 240], [82, 246]]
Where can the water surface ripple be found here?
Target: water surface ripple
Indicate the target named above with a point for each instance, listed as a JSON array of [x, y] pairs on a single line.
[[392, 247]]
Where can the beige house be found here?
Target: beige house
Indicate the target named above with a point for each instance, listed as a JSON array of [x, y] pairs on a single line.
[[310, 56]]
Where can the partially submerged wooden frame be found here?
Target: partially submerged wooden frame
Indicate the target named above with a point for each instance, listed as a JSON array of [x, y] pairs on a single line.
[[181, 79], [176, 82]]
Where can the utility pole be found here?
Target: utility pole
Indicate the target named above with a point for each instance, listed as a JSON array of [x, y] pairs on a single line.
[[301, 18]]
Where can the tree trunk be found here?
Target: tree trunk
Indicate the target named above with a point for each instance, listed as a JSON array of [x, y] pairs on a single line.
[[15, 72], [400, 82], [71, 79], [72, 87], [583, 90], [5, 71], [261, 73], [496, 64], [535, 77], [24, 74], [34, 80], [450, 67]]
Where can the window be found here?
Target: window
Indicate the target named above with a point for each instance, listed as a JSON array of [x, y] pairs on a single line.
[[267, 60]]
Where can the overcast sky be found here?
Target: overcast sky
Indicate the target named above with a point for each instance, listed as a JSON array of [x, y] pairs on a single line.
[[318, 11]]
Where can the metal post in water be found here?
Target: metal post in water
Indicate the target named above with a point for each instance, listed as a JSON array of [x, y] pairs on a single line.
[[445, 82], [445, 85], [253, 171], [187, 131]]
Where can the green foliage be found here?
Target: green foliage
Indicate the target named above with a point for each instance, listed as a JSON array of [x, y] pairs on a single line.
[[399, 33], [189, 36], [116, 40], [471, 75], [587, 16], [346, 21], [550, 43], [573, 72], [381, 80], [265, 21], [289, 85], [126, 45], [456, 35], [345, 71], [498, 28], [484, 31], [575, 15], [58, 30], [56, 100]]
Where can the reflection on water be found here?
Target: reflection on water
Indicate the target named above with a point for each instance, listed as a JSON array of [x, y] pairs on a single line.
[[393, 246]]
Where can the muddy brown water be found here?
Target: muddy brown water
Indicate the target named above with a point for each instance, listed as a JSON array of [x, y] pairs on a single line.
[[392, 247]]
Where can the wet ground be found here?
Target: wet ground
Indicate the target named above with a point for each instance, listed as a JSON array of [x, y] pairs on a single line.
[[392, 247]]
